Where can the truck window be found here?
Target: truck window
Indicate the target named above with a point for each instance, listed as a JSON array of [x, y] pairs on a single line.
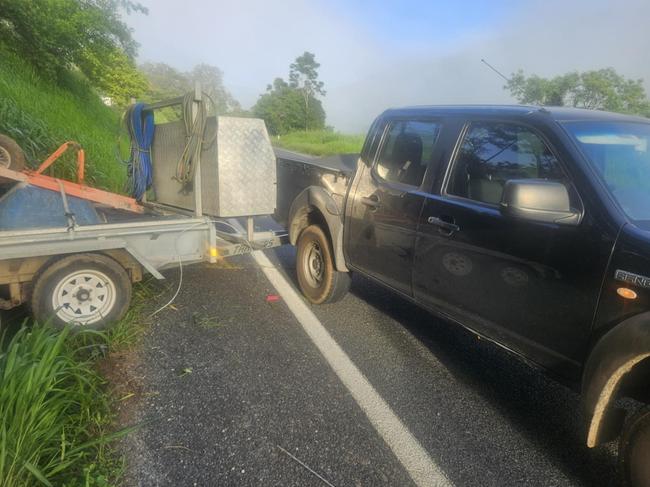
[[620, 154], [494, 152], [407, 151], [371, 143]]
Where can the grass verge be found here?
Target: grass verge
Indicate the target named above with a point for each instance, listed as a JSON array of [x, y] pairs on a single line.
[[320, 142], [127, 333], [57, 415], [53, 410]]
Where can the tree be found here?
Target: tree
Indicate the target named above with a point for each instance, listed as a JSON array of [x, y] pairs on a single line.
[[289, 106], [211, 79], [164, 81], [56, 35], [303, 76], [168, 82], [115, 75], [603, 89], [280, 107]]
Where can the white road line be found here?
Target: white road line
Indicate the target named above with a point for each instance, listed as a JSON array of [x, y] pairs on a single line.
[[415, 459]]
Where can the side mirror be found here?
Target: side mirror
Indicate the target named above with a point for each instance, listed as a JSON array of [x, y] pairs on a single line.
[[538, 200]]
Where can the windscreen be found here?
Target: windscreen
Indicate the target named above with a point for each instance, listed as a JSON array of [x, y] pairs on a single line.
[[620, 153]]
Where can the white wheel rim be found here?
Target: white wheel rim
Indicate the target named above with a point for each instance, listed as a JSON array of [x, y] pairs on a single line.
[[84, 297], [5, 157]]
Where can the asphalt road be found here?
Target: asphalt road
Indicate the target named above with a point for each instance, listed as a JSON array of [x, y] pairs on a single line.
[[231, 384]]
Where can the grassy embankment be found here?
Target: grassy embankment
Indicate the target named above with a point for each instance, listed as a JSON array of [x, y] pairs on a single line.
[[320, 142], [41, 115], [56, 410]]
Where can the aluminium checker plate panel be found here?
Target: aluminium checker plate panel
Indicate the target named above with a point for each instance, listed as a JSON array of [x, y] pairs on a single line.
[[246, 172], [238, 170]]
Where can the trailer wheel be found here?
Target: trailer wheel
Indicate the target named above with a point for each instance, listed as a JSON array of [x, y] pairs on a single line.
[[634, 450], [85, 290], [11, 155], [318, 278]]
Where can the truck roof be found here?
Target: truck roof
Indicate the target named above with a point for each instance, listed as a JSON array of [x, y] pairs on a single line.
[[559, 114]]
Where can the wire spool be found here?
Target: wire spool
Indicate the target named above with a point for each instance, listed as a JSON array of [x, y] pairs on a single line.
[[195, 125], [140, 125]]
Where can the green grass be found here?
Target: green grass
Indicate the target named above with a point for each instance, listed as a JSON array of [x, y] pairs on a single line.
[[41, 115], [54, 413], [129, 330], [320, 142]]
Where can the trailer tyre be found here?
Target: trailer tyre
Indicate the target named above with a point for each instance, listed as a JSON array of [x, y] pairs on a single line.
[[11, 155], [318, 278], [634, 450], [86, 290]]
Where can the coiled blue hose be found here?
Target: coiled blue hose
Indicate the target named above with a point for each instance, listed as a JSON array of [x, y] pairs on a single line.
[[141, 127]]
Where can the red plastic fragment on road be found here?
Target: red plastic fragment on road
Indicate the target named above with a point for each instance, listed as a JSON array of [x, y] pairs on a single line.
[[272, 298]]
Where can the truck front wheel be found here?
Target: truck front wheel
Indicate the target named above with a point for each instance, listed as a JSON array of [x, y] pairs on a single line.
[[318, 278], [84, 290], [634, 450]]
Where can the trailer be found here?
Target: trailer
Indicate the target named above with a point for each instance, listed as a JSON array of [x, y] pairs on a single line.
[[72, 252]]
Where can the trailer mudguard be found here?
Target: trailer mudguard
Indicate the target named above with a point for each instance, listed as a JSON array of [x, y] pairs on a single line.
[[318, 199], [613, 357]]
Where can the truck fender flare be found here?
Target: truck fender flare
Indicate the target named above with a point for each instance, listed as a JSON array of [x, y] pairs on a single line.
[[316, 198], [613, 357]]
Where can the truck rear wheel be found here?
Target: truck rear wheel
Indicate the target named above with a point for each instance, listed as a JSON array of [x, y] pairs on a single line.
[[85, 290], [634, 450], [318, 278], [11, 155]]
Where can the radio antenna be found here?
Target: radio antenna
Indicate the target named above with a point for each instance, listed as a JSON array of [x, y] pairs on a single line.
[[495, 70]]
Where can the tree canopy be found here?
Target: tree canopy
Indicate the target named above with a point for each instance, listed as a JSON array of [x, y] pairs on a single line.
[[602, 89], [294, 105], [168, 82], [89, 35], [303, 76]]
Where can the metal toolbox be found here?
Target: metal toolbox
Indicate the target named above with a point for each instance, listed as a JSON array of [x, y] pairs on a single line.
[[237, 170]]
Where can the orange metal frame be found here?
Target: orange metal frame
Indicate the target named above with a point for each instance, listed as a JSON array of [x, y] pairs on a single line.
[[81, 160], [78, 189]]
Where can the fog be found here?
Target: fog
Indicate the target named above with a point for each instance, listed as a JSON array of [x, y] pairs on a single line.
[[366, 70]]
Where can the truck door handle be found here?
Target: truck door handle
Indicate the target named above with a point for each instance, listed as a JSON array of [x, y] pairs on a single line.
[[371, 201], [443, 225]]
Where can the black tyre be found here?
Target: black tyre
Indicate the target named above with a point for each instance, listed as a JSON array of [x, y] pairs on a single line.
[[86, 290], [318, 278], [634, 450], [11, 155]]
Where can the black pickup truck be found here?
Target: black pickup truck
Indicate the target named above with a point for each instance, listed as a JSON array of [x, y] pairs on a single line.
[[529, 226]]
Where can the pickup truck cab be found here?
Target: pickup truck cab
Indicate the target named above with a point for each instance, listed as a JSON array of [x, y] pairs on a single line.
[[529, 226]]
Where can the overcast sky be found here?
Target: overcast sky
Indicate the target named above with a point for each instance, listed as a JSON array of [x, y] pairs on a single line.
[[376, 54]]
